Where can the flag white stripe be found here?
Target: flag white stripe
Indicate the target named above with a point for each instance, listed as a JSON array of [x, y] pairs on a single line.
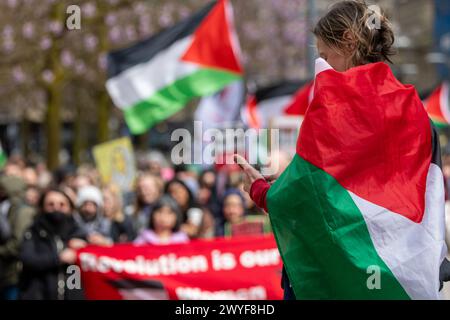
[[444, 101], [412, 251], [271, 108], [145, 79]]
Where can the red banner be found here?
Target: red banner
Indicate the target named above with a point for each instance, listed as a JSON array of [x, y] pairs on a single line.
[[241, 268]]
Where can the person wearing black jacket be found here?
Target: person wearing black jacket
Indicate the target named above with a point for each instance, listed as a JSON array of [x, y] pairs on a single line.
[[49, 248]]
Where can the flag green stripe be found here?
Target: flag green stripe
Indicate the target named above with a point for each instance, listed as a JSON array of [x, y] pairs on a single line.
[[438, 123], [323, 238], [174, 97]]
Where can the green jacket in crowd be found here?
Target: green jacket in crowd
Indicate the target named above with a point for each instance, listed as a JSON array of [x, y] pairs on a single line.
[[19, 216]]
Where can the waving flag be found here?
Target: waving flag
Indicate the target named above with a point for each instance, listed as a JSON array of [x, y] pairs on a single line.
[[155, 78], [284, 98], [437, 106], [221, 108], [359, 213]]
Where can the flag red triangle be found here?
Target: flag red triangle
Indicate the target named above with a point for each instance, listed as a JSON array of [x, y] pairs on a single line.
[[212, 45], [301, 101]]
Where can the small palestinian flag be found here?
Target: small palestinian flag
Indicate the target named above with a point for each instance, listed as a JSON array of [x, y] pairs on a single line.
[[437, 106], [359, 212], [284, 98], [155, 78]]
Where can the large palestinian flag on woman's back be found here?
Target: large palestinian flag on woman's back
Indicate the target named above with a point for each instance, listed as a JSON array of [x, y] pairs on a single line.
[[155, 78], [359, 213]]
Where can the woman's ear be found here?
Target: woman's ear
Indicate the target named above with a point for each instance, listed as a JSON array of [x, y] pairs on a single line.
[[349, 41]]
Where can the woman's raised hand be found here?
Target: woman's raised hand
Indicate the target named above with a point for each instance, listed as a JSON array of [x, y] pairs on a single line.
[[251, 174]]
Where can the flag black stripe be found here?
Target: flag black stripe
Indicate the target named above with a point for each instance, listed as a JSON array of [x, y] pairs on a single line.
[[144, 51], [278, 90]]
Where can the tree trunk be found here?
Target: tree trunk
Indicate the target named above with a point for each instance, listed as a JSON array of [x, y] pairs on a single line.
[[53, 126], [103, 117], [103, 102], [25, 136], [54, 95], [77, 136]]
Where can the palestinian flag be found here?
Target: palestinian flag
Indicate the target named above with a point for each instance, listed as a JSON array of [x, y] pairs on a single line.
[[284, 98], [155, 78], [437, 106], [359, 213]]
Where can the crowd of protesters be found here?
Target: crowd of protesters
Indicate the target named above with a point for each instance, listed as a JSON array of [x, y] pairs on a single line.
[[46, 216]]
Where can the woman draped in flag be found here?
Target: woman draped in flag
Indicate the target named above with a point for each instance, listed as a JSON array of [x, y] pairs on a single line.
[[359, 212]]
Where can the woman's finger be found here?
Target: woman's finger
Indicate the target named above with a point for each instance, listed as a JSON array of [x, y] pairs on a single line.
[[249, 171], [242, 162]]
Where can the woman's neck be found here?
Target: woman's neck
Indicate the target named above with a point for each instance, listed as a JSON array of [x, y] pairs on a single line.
[[163, 233]]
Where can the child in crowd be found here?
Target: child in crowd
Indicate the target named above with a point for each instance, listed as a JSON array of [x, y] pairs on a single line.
[[164, 225]]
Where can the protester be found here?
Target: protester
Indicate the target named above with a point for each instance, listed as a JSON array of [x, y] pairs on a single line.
[[48, 248], [148, 190], [44, 176], [192, 215], [5, 227], [30, 176], [207, 193], [14, 168], [32, 195], [207, 228], [187, 176], [122, 225], [164, 225], [233, 210], [15, 218], [152, 162], [207, 183], [90, 217], [80, 181]]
